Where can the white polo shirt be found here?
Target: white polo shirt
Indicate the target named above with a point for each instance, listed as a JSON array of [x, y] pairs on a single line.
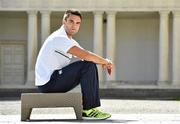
[[53, 55]]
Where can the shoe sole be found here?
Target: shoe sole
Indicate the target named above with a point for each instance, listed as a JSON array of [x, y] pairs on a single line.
[[91, 118]]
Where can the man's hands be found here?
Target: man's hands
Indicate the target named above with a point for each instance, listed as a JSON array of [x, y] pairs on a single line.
[[108, 66]]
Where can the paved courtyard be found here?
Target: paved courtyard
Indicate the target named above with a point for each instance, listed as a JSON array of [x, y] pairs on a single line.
[[123, 112]]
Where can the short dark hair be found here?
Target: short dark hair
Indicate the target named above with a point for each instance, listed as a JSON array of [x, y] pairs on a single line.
[[72, 12]]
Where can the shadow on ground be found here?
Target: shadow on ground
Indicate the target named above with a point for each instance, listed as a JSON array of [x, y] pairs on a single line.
[[82, 121]]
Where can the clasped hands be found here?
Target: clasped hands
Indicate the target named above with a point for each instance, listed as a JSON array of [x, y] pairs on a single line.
[[108, 66]]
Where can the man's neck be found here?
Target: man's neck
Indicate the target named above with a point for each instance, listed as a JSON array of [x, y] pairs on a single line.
[[69, 36]]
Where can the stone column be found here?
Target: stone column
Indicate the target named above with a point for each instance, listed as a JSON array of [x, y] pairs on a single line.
[[176, 48], [31, 46], [45, 25], [98, 38], [111, 42], [163, 47]]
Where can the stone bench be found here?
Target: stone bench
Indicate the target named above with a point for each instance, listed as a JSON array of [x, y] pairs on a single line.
[[50, 100]]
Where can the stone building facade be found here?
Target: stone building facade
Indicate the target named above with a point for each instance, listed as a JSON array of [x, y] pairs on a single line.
[[140, 36]]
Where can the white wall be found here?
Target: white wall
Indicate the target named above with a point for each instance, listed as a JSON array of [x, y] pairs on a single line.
[[13, 36], [89, 5], [137, 48], [12, 26]]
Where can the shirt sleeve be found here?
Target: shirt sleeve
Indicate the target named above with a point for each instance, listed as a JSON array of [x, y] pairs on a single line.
[[63, 44]]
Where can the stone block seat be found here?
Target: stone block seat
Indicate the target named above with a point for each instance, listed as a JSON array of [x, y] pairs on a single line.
[[50, 100]]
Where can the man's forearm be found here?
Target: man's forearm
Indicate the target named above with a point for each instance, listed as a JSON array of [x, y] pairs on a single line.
[[87, 55], [96, 58]]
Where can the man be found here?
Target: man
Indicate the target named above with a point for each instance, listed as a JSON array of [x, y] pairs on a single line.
[[54, 73]]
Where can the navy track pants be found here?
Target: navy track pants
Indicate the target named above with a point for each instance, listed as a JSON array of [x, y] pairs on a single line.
[[81, 72]]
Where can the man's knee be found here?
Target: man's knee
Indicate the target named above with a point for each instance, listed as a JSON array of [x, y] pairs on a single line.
[[90, 64]]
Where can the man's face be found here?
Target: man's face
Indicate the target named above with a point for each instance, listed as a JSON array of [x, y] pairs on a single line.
[[72, 24]]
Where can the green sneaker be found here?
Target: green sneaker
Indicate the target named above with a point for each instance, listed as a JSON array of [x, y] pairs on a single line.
[[95, 114]]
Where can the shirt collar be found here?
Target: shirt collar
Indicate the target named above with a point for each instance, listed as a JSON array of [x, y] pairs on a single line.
[[62, 32]]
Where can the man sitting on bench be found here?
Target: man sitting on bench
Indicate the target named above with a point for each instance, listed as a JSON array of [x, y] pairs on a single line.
[[55, 74]]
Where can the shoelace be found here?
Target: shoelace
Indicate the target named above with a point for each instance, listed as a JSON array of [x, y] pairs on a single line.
[[99, 112], [92, 113]]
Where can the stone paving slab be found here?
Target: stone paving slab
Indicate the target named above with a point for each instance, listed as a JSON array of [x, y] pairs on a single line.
[[115, 106], [116, 118], [123, 112]]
